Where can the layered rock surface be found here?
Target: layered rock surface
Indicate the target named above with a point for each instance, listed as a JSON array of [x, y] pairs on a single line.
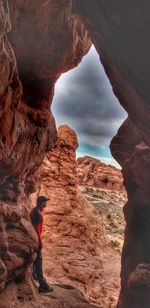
[[76, 248], [16, 134], [92, 172], [27, 126]]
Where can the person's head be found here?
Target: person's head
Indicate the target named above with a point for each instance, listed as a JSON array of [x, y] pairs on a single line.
[[41, 202]]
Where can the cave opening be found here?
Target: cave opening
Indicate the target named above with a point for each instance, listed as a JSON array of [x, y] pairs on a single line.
[[84, 99], [33, 55]]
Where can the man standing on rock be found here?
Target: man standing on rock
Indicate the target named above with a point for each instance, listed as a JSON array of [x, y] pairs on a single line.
[[37, 222]]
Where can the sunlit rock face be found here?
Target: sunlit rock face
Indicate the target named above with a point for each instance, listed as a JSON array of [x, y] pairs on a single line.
[[115, 28], [27, 127], [76, 249], [92, 172]]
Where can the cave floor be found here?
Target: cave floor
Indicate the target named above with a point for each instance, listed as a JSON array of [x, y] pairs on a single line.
[[27, 296]]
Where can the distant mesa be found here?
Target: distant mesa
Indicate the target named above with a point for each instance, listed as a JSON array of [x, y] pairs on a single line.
[[92, 172]]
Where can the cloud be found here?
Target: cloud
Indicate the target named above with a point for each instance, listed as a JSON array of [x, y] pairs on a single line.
[[84, 100]]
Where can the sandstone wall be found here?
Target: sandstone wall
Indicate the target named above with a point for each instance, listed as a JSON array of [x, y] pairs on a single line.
[[27, 126], [92, 172], [76, 249]]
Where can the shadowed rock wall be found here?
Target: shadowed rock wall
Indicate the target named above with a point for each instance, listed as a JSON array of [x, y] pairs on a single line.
[[119, 31], [47, 41], [22, 132]]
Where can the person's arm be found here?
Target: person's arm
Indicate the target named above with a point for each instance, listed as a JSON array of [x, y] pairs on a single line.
[[36, 220], [37, 228]]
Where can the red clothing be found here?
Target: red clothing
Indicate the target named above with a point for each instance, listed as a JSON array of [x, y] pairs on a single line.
[[37, 222]]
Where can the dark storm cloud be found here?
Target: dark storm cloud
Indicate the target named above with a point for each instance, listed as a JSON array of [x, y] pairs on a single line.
[[84, 99]]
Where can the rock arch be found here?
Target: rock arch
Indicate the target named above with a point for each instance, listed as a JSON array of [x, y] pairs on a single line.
[[119, 31]]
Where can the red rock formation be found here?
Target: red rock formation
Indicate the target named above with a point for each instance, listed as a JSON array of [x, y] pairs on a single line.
[[135, 162], [25, 296], [27, 127], [115, 29], [22, 132], [76, 249], [92, 172], [45, 46]]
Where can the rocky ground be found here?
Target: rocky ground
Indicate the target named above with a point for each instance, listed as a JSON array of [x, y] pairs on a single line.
[[109, 204], [27, 296]]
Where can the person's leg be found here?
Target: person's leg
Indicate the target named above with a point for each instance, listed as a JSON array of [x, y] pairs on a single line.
[[38, 270], [37, 266], [34, 272]]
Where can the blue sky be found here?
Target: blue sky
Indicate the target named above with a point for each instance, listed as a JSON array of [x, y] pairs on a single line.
[[85, 101]]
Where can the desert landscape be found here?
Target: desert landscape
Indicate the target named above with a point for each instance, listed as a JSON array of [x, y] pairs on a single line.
[[102, 185], [109, 205]]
